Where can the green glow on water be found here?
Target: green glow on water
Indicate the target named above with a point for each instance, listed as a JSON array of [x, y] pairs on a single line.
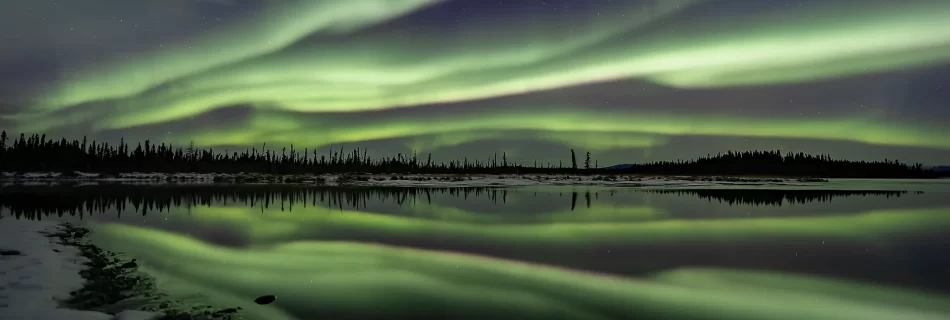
[[329, 223], [323, 278]]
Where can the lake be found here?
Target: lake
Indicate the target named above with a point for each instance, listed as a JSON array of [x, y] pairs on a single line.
[[845, 249]]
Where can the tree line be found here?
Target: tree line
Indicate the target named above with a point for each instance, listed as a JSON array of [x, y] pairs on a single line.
[[790, 164], [37, 153]]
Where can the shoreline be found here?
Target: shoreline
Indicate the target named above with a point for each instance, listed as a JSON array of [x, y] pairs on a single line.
[[364, 179], [57, 274]]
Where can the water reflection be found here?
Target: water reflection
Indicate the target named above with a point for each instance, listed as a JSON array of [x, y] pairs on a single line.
[[37, 201], [766, 197], [405, 242]]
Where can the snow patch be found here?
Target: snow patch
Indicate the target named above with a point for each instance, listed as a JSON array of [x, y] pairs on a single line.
[[32, 283], [134, 315], [541, 180]]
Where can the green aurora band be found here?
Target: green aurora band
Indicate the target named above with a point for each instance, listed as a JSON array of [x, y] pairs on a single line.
[[558, 122], [315, 72]]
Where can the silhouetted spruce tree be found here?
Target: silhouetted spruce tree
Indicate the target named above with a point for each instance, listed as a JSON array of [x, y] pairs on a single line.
[[3, 142], [573, 160]]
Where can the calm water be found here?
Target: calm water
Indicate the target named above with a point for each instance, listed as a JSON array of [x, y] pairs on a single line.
[[848, 249]]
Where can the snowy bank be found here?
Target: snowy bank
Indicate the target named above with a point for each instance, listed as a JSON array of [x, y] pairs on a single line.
[[37, 272], [512, 180]]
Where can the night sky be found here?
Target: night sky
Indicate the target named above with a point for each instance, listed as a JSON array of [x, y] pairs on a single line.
[[629, 80]]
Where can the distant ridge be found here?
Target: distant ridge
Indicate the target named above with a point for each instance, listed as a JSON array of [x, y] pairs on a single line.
[[942, 168]]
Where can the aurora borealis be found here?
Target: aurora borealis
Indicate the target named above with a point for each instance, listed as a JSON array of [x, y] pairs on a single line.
[[627, 80]]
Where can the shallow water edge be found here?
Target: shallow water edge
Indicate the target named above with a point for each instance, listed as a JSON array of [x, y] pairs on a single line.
[[113, 284]]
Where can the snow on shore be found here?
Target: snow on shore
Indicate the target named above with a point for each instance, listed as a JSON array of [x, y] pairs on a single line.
[[428, 180], [552, 180], [36, 271]]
